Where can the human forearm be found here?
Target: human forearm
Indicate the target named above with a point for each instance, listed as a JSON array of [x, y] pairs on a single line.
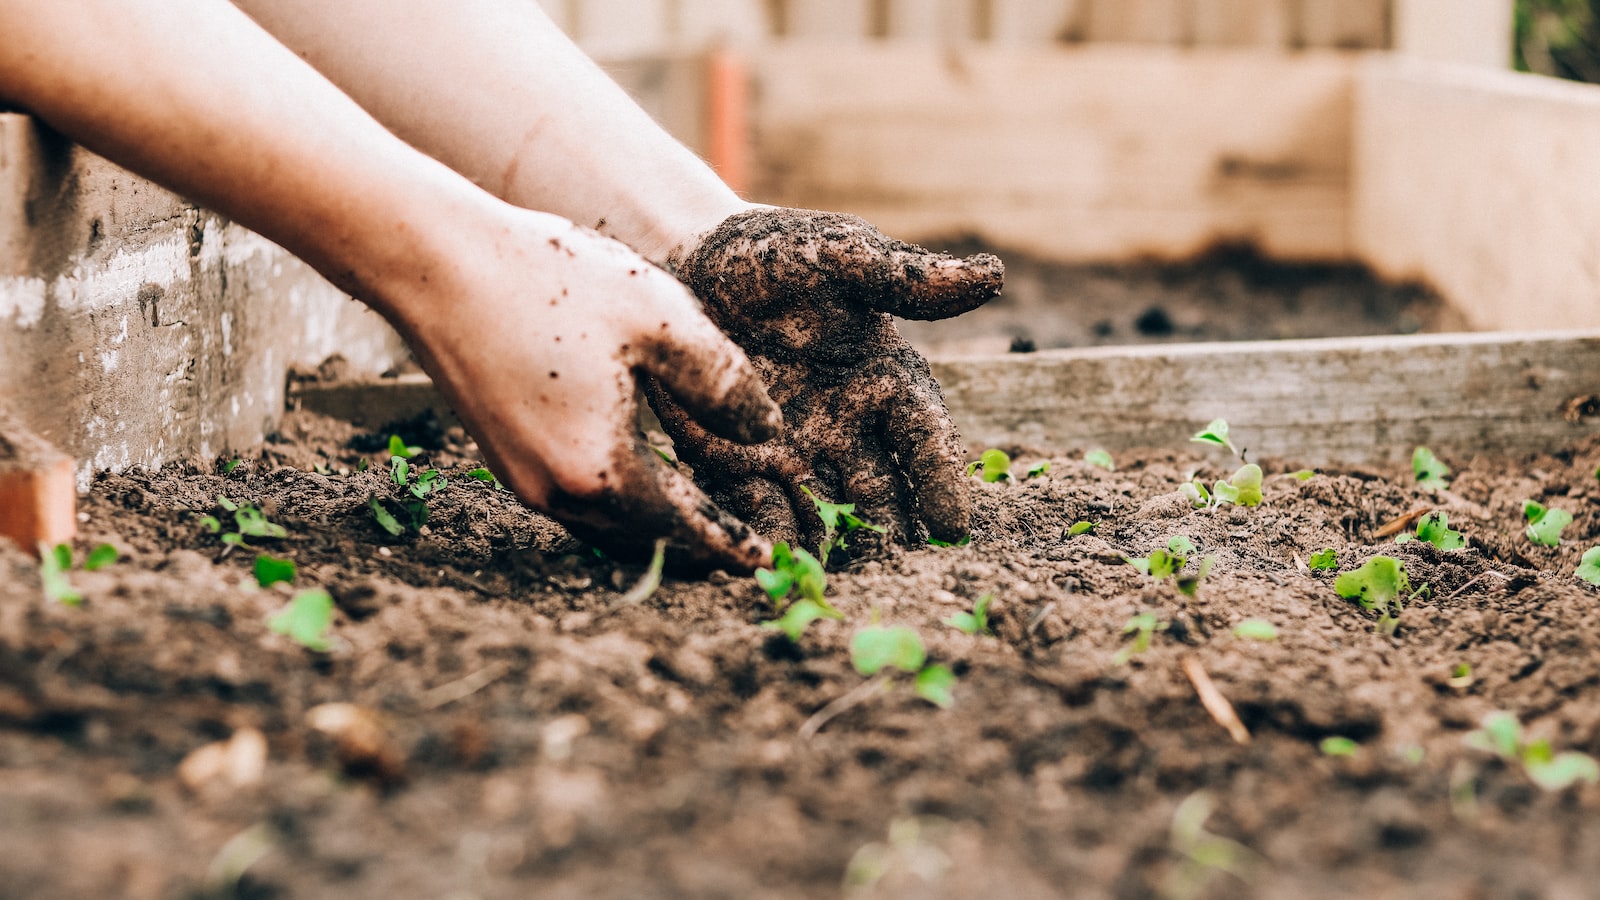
[[497, 92]]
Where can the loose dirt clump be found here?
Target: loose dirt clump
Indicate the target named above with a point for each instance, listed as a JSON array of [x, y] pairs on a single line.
[[491, 721]]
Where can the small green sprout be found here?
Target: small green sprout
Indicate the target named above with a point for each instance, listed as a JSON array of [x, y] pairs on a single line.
[[935, 542], [1304, 474], [400, 448], [838, 522], [1244, 488], [384, 518], [1461, 675], [665, 456], [877, 647], [1338, 746], [1545, 523], [306, 619], [995, 465], [1216, 434], [1161, 564], [54, 564], [1501, 734], [975, 622], [101, 556], [230, 465], [1324, 560], [270, 570], [413, 512], [1204, 854], [1143, 628], [1379, 582], [794, 569], [1101, 459], [1429, 470], [1589, 566], [799, 616], [1037, 469], [1181, 545], [1256, 630], [1078, 528], [1197, 493], [1434, 528], [483, 474], [249, 522]]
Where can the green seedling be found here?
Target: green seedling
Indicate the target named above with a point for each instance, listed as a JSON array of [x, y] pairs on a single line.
[[935, 542], [1380, 582], [1078, 528], [101, 556], [1589, 566], [54, 564], [230, 465], [1216, 434], [1324, 560], [249, 522], [1198, 495], [1037, 469], [1101, 459], [1244, 488], [270, 570], [396, 516], [994, 465], [1429, 470], [1545, 523], [1502, 735], [799, 616], [306, 619], [877, 647], [1304, 475], [1204, 855], [650, 582], [1143, 627], [838, 522], [1461, 675], [975, 622], [1256, 630], [1338, 746], [400, 448], [1161, 564], [483, 474], [1181, 545], [794, 570], [1434, 528], [665, 456]]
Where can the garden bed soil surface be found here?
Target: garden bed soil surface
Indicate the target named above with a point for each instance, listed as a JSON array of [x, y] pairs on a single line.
[[516, 732]]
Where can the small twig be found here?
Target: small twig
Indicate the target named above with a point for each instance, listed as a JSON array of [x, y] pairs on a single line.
[[651, 580], [856, 696], [1038, 617], [464, 687], [1395, 526], [1212, 699], [1474, 580]]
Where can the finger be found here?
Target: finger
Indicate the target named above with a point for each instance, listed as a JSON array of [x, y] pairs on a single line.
[[878, 492], [764, 506], [712, 379], [927, 286], [931, 453]]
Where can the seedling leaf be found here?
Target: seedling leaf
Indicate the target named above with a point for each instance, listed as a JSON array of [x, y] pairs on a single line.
[[400, 448], [1143, 628], [1338, 746], [1380, 581], [1435, 529], [838, 521], [1589, 566], [876, 647], [1086, 527], [226, 504], [935, 542], [211, 524], [306, 619], [1181, 546], [230, 465], [1216, 434], [933, 684], [1563, 770], [1429, 470], [54, 564], [1324, 560], [1256, 630], [975, 622], [100, 557], [1037, 469], [384, 518], [483, 474], [1100, 458], [1545, 524], [1244, 488], [253, 522], [798, 616], [1189, 585], [1304, 475], [399, 470], [995, 465], [270, 570], [1198, 495], [1500, 734]]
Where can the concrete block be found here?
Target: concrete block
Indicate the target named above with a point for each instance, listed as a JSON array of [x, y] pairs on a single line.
[[1241, 23], [1343, 24], [37, 493], [1140, 21], [1481, 182], [1478, 32]]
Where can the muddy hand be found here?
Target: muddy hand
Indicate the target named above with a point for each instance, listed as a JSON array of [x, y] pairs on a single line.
[[550, 327], [809, 296]]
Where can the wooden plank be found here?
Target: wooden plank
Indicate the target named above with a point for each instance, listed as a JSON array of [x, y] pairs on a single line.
[[1352, 400], [38, 496]]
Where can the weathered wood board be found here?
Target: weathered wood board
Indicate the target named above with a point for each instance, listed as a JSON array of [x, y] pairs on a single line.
[[1354, 400]]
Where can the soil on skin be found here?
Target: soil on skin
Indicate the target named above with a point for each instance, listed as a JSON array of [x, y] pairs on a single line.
[[539, 739], [1229, 294]]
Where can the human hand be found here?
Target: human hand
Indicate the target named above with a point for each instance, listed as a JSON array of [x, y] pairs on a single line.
[[548, 329], [809, 296]]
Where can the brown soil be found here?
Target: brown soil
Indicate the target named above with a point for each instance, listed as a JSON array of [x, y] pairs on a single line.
[[1229, 294], [540, 740]]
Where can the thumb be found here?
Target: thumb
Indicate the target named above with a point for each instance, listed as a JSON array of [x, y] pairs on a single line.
[[712, 378], [925, 285]]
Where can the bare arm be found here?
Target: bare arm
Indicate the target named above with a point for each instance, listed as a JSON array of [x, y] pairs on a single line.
[[496, 91], [534, 328]]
